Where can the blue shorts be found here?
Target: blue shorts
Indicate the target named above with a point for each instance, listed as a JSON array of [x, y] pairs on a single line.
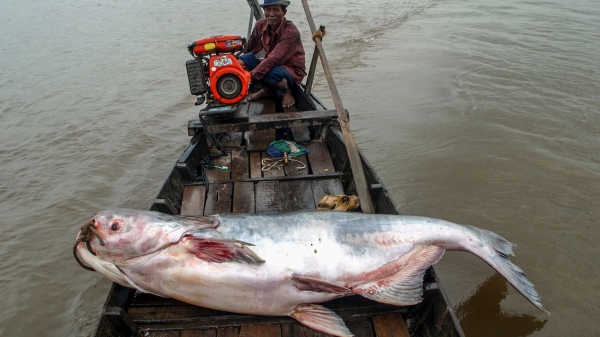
[[275, 75]]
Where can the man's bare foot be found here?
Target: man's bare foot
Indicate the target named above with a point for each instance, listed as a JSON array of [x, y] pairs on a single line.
[[258, 95], [287, 100]]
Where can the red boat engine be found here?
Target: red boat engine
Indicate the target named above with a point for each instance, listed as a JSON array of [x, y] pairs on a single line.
[[215, 73]]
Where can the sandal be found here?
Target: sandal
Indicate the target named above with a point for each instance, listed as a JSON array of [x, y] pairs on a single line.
[[343, 203], [354, 203], [327, 203]]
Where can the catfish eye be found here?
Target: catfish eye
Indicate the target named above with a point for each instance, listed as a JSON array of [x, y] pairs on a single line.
[[114, 226]]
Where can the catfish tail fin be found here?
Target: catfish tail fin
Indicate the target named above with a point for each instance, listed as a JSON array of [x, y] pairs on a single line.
[[497, 258]]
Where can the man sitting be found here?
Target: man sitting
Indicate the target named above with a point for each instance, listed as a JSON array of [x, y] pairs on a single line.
[[283, 65]]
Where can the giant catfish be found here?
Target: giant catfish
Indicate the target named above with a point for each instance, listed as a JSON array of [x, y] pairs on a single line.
[[283, 263]]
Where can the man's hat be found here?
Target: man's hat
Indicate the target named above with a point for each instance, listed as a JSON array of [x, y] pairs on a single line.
[[275, 2]]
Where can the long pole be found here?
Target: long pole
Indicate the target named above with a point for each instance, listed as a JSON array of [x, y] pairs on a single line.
[[313, 67], [355, 163]]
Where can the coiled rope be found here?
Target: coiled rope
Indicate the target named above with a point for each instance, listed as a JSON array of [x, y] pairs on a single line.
[[278, 163], [85, 235]]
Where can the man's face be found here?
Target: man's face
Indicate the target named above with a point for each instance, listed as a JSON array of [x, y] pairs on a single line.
[[274, 15]]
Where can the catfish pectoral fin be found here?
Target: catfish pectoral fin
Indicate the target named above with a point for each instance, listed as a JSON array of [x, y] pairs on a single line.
[[313, 284], [221, 250], [321, 319]]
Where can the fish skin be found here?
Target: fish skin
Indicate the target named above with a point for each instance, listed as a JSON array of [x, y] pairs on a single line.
[[277, 264]]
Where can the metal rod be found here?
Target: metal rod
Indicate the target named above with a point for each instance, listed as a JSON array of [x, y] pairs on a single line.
[[250, 22], [360, 180], [258, 13]]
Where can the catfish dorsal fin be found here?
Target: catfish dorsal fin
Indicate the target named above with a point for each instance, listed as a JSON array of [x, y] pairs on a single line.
[[320, 318], [199, 222], [221, 250]]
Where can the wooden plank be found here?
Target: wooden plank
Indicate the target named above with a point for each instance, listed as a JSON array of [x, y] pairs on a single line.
[[272, 172], [214, 174], [360, 325], [293, 168], [149, 300], [298, 329], [241, 114], [255, 166], [261, 107], [265, 330], [193, 317], [218, 199], [352, 311], [390, 325], [296, 195], [319, 158], [190, 158], [322, 187], [243, 197], [164, 206], [272, 121], [339, 156], [193, 200], [293, 108], [171, 333], [116, 322], [239, 164], [304, 101], [268, 197], [229, 332], [199, 333], [301, 134], [172, 191], [231, 139], [282, 178], [286, 329], [259, 140], [176, 314]]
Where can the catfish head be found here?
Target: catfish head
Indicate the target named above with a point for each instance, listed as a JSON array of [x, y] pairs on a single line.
[[122, 235]]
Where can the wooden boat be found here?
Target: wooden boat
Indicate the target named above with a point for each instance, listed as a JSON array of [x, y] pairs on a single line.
[[244, 187]]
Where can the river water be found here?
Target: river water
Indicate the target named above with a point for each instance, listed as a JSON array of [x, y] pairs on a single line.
[[484, 113]]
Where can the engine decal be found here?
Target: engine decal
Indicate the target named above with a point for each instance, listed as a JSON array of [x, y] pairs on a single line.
[[233, 43], [222, 61]]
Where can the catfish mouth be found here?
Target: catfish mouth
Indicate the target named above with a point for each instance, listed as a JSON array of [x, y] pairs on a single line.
[[86, 234]]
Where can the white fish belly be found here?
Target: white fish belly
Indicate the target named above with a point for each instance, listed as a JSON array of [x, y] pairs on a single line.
[[231, 286]]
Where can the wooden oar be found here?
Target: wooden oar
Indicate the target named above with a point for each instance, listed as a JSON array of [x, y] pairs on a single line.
[[355, 163]]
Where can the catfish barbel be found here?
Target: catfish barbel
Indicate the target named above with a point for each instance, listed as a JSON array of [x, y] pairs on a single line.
[[283, 264]]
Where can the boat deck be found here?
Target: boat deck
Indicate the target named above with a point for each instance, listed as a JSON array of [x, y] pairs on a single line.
[[245, 188], [248, 186]]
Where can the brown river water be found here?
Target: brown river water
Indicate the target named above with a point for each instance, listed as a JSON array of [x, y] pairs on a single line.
[[484, 113]]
